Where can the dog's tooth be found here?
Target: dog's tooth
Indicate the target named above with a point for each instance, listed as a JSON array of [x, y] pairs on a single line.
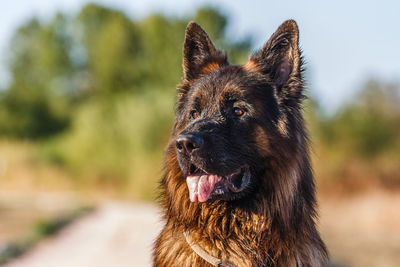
[[192, 183], [219, 191]]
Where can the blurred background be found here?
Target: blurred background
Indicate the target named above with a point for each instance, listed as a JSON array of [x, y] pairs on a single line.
[[87, 92]]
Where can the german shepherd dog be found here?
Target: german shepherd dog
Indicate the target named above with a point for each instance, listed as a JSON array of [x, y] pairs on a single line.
[[238, 188]]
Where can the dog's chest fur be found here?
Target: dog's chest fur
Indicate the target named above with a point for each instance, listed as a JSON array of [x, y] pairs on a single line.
[[271, 220], [228, 247]]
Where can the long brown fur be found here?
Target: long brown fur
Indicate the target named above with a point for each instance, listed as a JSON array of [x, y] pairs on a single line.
[[274, 225]]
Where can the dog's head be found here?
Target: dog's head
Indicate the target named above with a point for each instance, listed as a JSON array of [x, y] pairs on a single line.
[[234, 122]]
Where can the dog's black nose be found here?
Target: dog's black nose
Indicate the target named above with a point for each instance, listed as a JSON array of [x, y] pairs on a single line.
[[188, 143]]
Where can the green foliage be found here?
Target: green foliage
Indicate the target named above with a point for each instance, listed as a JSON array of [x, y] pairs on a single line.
[[34, 105], [213, 21], [359, 147], [43, 228], [117, 143], [100, 52], [112, 45], [369, 127], [97, 89]]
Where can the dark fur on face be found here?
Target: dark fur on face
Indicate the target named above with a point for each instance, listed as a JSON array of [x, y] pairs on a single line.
[[239, 141]]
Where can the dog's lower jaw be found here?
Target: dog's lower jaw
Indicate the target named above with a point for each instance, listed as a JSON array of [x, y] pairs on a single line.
[[203, 186]]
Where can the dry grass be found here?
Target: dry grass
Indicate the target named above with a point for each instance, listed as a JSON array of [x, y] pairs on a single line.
[[31, 191], [362, 230], [20, 210], [21, 169]]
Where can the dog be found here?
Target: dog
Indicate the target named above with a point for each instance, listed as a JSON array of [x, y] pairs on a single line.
[[238, 187]]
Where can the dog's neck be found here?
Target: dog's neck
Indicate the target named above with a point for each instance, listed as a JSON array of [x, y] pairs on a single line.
[[201, 252]]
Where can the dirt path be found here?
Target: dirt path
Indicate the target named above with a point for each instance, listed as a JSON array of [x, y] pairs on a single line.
[[116, 234], [360, 231]]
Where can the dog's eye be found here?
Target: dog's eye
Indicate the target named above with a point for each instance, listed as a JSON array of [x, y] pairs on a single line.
[[194, 114], [238, 111]]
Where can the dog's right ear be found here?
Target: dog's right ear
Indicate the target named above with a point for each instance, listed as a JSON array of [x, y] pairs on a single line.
[[199, 54], [280, 60]]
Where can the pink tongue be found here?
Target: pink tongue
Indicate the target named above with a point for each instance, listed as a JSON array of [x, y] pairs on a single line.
[[200, 187]]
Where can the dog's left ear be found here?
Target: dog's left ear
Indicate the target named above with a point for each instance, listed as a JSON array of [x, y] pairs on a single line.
[[280, 60], [199, 54]]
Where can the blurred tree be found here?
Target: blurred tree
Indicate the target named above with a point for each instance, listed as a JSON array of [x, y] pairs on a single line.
[[370, 125], [215, 23], [35, 104], [100, 83], [112, 44], [162, 40], [98, 53]]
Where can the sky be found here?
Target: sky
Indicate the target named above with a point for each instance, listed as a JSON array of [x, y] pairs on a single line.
[[344, 43]]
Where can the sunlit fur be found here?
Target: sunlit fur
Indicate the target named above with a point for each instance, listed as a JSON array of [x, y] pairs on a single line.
[[272, 223]]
